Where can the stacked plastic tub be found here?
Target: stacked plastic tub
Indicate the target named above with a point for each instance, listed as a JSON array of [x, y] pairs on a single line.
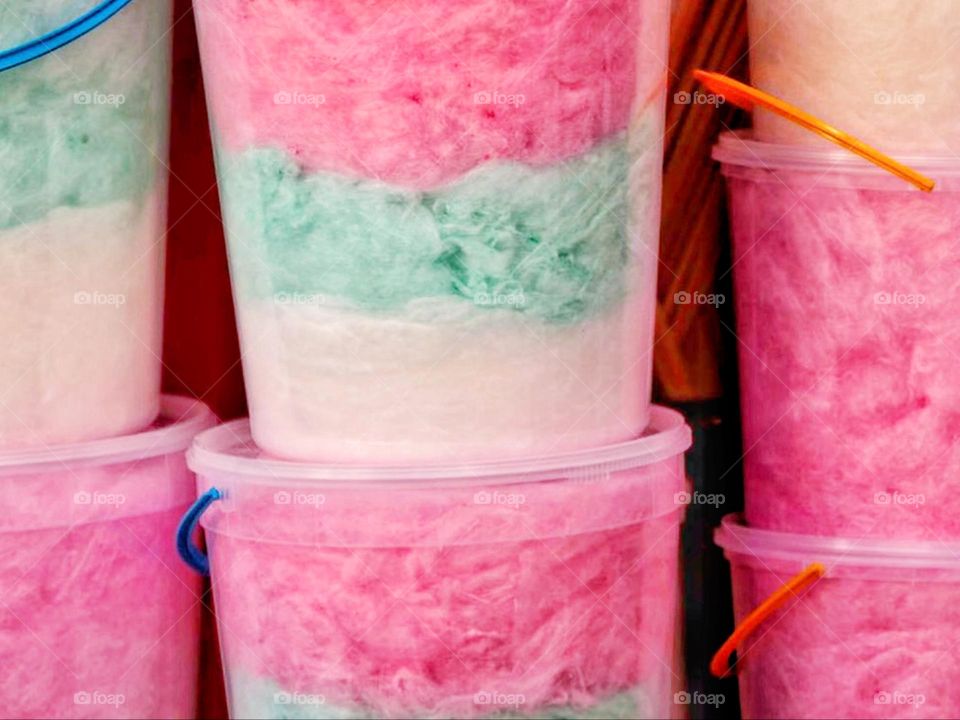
[[847, 288], [452, 498], [96, 617]]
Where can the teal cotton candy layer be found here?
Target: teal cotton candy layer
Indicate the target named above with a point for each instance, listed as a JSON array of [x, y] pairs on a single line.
[[551, 242], [264, 699], [85, 126]]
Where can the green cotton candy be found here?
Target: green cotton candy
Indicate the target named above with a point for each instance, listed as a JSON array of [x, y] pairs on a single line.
[[264, 699], [550, 242], [622, 705], [87, 125]]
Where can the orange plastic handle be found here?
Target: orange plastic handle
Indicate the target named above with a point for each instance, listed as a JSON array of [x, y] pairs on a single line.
[[720, 664], [746, 97]]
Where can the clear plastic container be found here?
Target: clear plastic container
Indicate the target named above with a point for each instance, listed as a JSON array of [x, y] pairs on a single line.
[[846, 282], [875, 637], [442, 221], [83, 187], [98, 618], [546, 588], [887, 71]]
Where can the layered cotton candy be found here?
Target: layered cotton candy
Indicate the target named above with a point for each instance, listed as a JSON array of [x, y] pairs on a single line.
[[403, 593], [846, 287], [88, 125], [82, 214], [424, 632], [98, 619], [875, 638], [504, 315], [419, 93], [887, 71], [442, 221]]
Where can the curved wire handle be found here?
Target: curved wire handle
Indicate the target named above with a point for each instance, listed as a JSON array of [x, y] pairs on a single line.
[[64, 35], [746, 97], [192, 555], [720, 665]]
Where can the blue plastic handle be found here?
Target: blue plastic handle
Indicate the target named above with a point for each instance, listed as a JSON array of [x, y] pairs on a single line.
[[192, 555], [56, 39]]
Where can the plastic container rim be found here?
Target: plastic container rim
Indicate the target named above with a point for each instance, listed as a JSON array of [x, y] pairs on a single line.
[[210, 453], [739, 540], [187, 418], [737, 148]]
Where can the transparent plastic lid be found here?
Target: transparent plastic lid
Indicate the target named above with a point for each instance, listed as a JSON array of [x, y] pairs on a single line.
[[179, 422], [262, 499], [230, 449], [738, 148], [763, 546]]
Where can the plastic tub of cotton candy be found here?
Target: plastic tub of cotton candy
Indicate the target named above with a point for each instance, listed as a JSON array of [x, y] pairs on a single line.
[[442, 221], [98, 619], [835, 627], [846, 280], [544, 588], [887, 71], [83, 143]]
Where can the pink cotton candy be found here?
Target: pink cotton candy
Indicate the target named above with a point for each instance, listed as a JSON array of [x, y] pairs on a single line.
[[98, 621], [98, 618], [846, 285], [875, 638], [419, 93], [421, 632], [428, 597]]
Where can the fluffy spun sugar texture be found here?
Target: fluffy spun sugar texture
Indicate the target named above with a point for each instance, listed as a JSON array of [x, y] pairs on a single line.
[[23, 20], [507, 314], [81, 322], [419, 93], [453, 630], [98, 621], [847, 313], [445, 380], [550, 242], [82, 211], [84, 126], [851, 648], [887, 71]]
